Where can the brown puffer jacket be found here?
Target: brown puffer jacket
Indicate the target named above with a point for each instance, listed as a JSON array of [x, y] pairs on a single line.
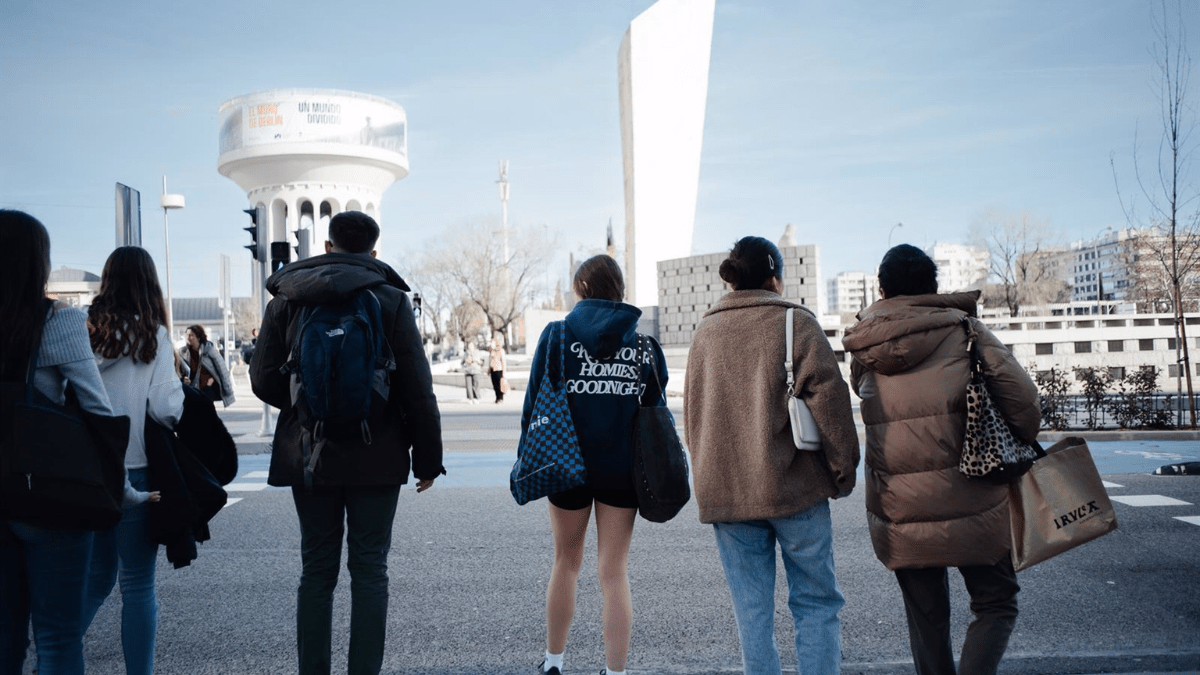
[[745, 464], [911, 368]]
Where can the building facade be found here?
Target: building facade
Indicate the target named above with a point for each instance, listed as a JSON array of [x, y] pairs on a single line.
[[849, 292], [75, 287], [960, 267], [689, 287]]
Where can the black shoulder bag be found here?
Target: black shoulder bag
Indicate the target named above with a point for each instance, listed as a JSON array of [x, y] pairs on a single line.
[[61, 467], [660, 468]]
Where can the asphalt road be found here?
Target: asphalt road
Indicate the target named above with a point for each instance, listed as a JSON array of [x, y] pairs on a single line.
[[469, 569]]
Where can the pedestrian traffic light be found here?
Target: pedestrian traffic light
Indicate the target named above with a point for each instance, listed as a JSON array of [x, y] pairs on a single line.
[[416, 301], [253, 246], [281, 254]]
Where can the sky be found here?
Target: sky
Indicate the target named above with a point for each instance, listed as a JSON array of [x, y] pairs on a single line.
[[843, 119]]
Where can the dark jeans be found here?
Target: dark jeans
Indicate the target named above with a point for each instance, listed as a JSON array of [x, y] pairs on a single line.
[[326, 513], [497, 375], [993, 590]]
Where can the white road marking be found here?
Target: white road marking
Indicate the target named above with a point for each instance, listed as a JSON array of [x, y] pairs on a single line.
[[245, 487], [257, 474], [1149, 500], [1111, 485], [231, 502], [1195, 520]]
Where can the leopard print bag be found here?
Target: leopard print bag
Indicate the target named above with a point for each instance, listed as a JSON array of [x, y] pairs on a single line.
[[990, 451]]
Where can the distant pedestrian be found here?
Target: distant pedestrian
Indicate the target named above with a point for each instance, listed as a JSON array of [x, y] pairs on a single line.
[[910, 368], [207, 366], [600, 330], [127, 320], [350, 489], [43, 572], [496, 367], [751, 482], [471, 368]]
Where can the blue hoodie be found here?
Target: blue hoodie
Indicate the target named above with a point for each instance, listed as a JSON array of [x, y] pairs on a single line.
[[604, 384]]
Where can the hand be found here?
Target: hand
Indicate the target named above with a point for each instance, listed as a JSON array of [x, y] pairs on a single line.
[[424, 484], [155, 496]]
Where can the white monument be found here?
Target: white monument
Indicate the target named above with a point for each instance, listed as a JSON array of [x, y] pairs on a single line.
[[663, 75], [304, 155]]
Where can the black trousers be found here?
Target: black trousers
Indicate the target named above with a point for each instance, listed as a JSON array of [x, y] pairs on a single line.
[[497, 375], [993, 590]]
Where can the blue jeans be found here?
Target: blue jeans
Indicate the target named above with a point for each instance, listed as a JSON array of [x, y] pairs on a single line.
[[44, 573], [127, 549], [325, 515], [748, 555]]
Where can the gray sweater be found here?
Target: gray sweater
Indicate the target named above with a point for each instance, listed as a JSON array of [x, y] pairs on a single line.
[[140, 389], [65, 356]]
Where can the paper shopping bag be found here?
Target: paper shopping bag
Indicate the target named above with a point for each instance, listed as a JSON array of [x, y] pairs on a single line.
[[1058, 505]]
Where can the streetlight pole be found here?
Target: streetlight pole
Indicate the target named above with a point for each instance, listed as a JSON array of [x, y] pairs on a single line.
[[890, 234], [503, 183], [168, 202]]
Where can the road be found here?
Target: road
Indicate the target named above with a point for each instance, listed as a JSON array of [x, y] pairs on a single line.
[[469, 568]]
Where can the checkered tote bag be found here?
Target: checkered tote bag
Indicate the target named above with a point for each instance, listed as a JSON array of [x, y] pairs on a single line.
[[548, 458]]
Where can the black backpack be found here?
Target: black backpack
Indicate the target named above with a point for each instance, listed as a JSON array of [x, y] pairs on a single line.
[[340, 365]]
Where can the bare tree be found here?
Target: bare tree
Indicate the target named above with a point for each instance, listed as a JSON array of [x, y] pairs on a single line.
[[472, 258], [439, 293], [246, 316], [1165, 186], [1021, 258]]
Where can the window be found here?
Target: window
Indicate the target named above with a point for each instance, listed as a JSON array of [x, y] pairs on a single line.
[[1173, 370], [1043, 348], [1083, 347], [1116, 373], [1171, 344], [1116, 345], [1146, 345]]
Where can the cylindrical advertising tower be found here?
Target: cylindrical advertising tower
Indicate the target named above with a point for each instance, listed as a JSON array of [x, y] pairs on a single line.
[[304, 155]]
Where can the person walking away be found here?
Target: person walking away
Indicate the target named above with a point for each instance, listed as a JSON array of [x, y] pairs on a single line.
[[127, 321], [209, 373], [911, 368], [751, 482], [471, 369], [496, 366], [608, 376], [43, 572], [350, 489]]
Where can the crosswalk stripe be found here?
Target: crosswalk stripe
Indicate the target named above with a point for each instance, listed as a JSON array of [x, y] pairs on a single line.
[[257, 474], [1149, 500], [1111, 485], [1194, 520], [232, 501], [245, 487]]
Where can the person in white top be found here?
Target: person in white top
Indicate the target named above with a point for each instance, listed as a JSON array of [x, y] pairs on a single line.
[[137, 363]]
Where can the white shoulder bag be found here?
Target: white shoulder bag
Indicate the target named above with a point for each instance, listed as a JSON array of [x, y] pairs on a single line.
[[804, 428]]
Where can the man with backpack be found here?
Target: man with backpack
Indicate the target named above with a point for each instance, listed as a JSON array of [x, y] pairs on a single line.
[[340, 355]]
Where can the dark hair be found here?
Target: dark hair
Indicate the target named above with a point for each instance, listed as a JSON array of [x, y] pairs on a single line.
[[907, 270], [751, 263], [599, 277], [353, 232], [198, 331], [125, 315], [24, 272]]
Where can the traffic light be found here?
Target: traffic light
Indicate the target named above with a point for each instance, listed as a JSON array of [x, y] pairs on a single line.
[[416, 301], [281, 254], [302, 243], [253, 246]]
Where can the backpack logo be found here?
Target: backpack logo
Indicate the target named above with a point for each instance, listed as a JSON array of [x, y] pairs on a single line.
[[340, 367]]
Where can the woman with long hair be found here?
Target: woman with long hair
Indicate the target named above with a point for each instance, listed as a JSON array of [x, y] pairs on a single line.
[[207, 366], [44, 571], [127, 320], [496, 366], [751, 482], [608, 375]]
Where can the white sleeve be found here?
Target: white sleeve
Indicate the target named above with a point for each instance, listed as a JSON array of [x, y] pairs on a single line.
[[164, 402]]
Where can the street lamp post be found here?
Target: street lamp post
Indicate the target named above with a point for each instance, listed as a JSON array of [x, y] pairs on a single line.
[[168, 202], [890, 234]]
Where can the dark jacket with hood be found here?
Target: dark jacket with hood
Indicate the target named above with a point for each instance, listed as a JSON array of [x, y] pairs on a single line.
[[411, 422], [607, 374], [911, 368]]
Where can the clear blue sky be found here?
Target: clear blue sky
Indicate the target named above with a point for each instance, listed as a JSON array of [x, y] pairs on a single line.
[[841, 118]]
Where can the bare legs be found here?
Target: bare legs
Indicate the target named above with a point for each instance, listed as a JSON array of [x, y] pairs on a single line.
[[614, 529]]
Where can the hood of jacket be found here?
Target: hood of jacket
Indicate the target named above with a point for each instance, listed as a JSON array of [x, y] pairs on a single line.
[[895, 334], [603, 326], [330, 277]]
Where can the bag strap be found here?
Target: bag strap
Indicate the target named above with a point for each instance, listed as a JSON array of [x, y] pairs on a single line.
[[642, 341], [972, 348], [787, 357], [37, 347]]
